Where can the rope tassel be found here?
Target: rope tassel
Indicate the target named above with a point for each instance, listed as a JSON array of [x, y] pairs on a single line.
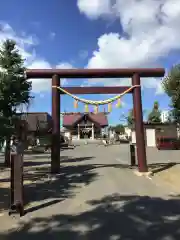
[[96, 109], [75, 103], [109, 107], [86, 108], [118, 104]]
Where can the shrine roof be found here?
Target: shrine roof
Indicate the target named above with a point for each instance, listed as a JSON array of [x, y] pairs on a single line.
[[70, 119]]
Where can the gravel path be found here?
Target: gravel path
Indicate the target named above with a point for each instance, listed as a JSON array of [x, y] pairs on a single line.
[[96, 196]]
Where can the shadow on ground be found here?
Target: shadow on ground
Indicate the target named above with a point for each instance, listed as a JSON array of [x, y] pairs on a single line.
[[4, 198], [39, 186], [160, 167], [63, 159], [63, 186], [110, 218], [42, 190]]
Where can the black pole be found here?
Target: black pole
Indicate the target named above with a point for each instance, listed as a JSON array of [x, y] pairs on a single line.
[[132, 155]]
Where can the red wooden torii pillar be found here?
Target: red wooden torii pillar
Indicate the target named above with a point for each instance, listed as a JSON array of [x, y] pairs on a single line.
[[135, 74]]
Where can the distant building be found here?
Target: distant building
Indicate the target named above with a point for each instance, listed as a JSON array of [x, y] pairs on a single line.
[[37, 127], [61, 121], [84, 125], [154, 131], [39, 123], [164, 116], [127, 131]]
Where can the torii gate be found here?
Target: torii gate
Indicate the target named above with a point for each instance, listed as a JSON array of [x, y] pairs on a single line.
[[135, 74]]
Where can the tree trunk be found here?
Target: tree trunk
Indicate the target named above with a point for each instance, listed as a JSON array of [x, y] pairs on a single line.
[[7, 153]]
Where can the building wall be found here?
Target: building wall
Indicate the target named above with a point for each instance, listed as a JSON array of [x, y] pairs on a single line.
[[61, 120], [152, 133], [164, 116], [67, 134], [133, 136], [150, 137], [167, 131], [127, 131]]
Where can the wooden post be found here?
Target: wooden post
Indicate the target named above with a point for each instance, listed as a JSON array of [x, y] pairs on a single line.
[[139, 126], [55, 143], [17, 189]]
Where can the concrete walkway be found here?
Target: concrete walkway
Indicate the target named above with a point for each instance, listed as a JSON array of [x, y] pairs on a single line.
[[96, 196]]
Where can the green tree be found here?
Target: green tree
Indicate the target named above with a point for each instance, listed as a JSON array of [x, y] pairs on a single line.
[[171, 86], [130, 118], [119, 129], [14, 89], [155, 115]]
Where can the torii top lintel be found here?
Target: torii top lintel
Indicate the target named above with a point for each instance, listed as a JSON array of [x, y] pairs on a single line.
[[95, 73]]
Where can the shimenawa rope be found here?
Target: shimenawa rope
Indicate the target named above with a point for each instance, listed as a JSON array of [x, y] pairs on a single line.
[[92, 102]]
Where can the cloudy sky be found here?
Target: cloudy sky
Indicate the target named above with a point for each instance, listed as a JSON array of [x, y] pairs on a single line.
[[94, 34]]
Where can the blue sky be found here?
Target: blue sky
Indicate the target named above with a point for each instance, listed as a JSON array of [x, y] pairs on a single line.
[[79, 34]]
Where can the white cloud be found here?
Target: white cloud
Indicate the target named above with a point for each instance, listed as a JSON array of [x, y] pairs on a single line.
[[64, 65], [42, 85], [52, 35], [145, 83], [25, 45], [94, 8], [152, 28]]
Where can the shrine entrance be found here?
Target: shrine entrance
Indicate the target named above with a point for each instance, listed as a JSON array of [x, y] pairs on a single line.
[[135, 90], [85, 133]]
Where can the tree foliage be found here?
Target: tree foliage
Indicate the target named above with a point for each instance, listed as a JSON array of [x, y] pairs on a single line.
[[119, 129], [155, 115], [14, 88], [171, 86], [14, 91], [130, 118]]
